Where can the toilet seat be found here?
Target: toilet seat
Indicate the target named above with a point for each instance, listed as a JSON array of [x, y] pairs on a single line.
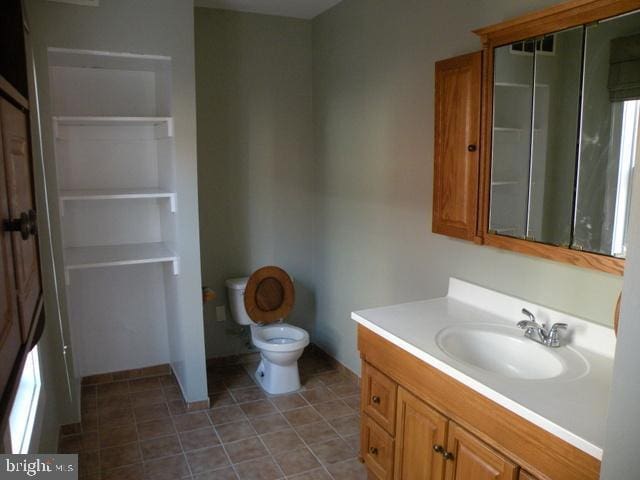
[[280, 337], [269, 295]]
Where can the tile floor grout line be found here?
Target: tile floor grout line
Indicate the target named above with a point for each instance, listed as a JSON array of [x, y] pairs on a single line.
[[226, 453], [304, 443], [138, 440], [184, 455], [235, 472], [308, 446], [135, 424], [272, 456], [320, 375]]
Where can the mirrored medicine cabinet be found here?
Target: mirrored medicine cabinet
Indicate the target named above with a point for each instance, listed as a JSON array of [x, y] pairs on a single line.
[[564, 136]]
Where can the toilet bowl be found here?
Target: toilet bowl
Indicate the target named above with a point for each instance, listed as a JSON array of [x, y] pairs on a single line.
[[280, 344]]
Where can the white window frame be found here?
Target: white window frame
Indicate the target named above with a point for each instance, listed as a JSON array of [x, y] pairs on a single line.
[[25, 406], [628, 155]]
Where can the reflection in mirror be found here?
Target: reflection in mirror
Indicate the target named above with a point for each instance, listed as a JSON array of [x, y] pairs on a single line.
[[553, 153], [513, 91], [609, 140]]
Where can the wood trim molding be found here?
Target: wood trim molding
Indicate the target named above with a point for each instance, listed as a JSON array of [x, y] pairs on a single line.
[[13, 94], [534, 449], [577, 258], [557, 17], [200, 405]]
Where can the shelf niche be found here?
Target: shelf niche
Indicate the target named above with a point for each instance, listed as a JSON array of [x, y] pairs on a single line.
[[115, 183]]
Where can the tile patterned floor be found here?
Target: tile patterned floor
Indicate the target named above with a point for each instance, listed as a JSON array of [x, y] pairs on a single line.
[[140, 429]]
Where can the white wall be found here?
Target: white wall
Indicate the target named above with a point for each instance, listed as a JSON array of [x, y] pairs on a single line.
[[622, 444], [142, 27], [373, 88]]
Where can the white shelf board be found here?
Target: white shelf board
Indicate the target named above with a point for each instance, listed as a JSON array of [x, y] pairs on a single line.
[[116, 255], [519, 85], [115, 194], [64, 57], [515, 130], [505, 230], [508, 129], [505, 182], [512, 85], [112, 121]]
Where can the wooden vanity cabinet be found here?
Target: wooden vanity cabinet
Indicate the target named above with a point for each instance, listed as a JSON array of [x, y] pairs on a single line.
[[456, 148], [526, 476], [428, 426], [473, 459], [419, 428], [428, 446], [379, 398], [377, 449]]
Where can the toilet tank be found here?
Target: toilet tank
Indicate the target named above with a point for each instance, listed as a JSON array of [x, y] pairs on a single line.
[[235, 292]]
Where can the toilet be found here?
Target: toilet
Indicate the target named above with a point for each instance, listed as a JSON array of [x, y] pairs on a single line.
[[263, 301]]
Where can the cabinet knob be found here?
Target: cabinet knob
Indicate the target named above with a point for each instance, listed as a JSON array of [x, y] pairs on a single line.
[[472, 147], [26, 224], [438, 448], [448, 455], [375, 399], [373, 450]]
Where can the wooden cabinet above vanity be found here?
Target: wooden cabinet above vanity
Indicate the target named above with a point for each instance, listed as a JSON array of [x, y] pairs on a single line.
[[537, 137]]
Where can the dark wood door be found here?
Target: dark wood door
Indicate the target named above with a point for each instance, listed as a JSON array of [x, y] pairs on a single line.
[[10, 339], [456, 146], [21, 201], [471, 459], [419, 429]]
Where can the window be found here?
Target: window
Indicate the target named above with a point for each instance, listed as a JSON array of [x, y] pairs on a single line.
[[25, 406], [628, 154]]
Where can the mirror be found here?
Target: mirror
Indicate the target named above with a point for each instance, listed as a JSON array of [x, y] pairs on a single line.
[[566, 117], [609, 137]]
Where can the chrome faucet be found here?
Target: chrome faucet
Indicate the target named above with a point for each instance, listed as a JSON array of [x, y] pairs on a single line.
[[539, 333]]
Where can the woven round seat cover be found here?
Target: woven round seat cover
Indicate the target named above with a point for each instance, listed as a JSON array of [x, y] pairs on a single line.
[[269, 295]]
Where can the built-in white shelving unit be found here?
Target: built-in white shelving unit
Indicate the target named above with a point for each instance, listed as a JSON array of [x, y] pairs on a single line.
[[115, 166], [512, 139]]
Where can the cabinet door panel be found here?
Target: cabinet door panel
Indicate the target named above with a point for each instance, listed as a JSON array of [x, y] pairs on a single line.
[[10, 340], [526, 476], [456, 146], [379, 397], [419, 428], [473, 460], [19, 173], [376, 449]]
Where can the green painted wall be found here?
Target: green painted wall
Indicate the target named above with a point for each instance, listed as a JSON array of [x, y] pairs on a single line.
[[255, 158], [373, 70]]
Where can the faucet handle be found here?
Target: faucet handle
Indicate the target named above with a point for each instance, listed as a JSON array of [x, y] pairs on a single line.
[[553, 339], [530, 316], [557, 326]]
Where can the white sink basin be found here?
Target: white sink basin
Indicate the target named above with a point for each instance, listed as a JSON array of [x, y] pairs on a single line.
[[503, 350]]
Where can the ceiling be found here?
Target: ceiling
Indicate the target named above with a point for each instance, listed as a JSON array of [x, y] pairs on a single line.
[[284, 8]]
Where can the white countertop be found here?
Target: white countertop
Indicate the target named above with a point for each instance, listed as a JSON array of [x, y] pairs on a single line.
[[574, 410]]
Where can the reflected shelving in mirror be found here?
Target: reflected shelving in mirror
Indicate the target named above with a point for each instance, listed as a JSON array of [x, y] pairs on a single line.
[[565, 132]]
